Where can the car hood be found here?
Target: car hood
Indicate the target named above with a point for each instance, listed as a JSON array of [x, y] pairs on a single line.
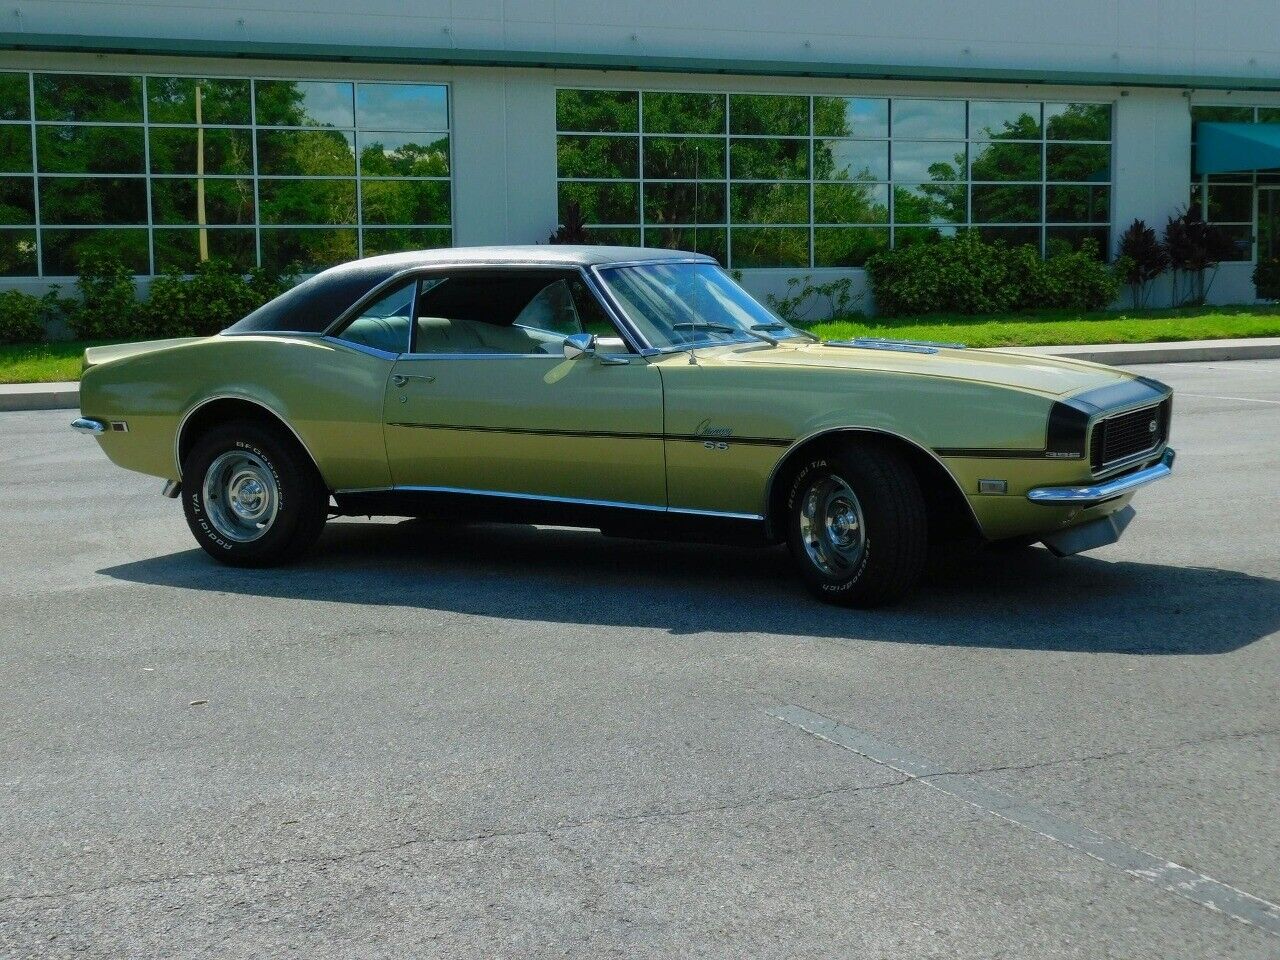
[[1039, 374]]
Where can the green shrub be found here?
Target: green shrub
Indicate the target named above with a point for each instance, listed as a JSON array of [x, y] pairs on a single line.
[[1074, 280], [968, 276], [1266, 277], [108, 308], [834, 300], [211, 299], [21, 317]]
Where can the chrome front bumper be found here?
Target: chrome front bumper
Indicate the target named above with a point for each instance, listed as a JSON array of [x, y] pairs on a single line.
[[1107, 490]]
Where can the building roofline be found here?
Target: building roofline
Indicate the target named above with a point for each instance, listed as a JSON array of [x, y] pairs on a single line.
[[579, 60]]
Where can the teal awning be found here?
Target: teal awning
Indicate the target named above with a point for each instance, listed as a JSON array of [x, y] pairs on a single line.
[[1228, 147]]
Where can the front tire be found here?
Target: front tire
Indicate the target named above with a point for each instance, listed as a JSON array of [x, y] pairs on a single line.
[[857, 524], [251, 495]]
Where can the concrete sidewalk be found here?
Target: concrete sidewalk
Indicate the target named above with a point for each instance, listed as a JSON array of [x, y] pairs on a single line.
[[66, 396]]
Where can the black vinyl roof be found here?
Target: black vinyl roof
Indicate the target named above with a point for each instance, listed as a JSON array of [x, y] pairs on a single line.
[[314, 304]]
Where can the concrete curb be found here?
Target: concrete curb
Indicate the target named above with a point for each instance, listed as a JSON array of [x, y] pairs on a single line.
[[1190, 351], [66, 396], [39, 396]]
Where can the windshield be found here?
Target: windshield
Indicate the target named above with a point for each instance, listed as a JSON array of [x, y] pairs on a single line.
[[686, 304]]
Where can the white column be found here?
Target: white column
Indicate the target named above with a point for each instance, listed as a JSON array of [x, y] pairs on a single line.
[[504, 155], [1151, 164]]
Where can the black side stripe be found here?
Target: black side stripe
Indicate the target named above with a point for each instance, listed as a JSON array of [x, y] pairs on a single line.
[[600, 434]]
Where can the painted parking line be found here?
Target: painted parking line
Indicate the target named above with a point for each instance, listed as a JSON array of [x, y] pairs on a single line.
[[1196, 887], [1213, 396]]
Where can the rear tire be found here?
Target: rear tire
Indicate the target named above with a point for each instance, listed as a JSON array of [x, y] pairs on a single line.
[[856, 524], [251, 495]]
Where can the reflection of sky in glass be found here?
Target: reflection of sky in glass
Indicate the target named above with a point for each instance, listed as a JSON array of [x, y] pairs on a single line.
[[861, 117], [928, 119], [323, 103], [928, 161], [852, 159], [403, 106], [993, 119]]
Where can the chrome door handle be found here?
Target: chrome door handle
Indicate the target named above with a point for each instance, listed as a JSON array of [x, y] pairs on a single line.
[[400, 379]]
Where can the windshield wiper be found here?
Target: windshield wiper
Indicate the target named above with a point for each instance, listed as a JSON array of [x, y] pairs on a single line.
[[725, 328], [701, 325], [789, 329]]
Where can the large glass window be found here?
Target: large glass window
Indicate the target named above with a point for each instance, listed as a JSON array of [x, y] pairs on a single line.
[[164, 170], [763, 180], [1229, 199]]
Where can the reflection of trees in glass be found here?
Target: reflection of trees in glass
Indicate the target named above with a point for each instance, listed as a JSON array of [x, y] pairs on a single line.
[[850, 202], [684, 158], [1078, 121], [63, 250], [598, 111], [770, 246], [684, 113], [81, 97], [598, 157], [405, 202], [17, 200], [304, 103], [173, 100], [850, 117], [407, 159], [768, 115], [67, 149], [181, 150], [15, 149], [17, 253], [92, 201], [14, 97]]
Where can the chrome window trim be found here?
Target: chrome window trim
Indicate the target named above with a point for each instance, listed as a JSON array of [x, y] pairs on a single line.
[[548, 498], [416, 273], [362, 348]]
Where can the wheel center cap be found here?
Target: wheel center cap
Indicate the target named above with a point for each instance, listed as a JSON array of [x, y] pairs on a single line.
[[248, 497]]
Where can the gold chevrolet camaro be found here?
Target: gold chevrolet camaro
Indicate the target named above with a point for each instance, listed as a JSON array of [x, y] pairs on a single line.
[[637, 391]]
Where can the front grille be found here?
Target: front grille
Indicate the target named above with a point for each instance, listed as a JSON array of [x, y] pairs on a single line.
[[1126, 435]]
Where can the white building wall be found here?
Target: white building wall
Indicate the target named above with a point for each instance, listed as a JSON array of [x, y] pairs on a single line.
[[1171, 37]]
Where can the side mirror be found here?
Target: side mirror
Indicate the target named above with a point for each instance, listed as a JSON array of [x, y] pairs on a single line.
[[579, 345]]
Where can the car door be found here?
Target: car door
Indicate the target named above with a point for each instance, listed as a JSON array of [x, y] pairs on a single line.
[[486, 401]]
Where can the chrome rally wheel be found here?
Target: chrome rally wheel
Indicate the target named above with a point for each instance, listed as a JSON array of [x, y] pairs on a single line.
[[241, 496], [856, 523], [252, 496], [832, 527]]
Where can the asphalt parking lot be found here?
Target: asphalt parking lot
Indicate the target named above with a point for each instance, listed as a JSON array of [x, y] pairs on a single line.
[[508, 742]]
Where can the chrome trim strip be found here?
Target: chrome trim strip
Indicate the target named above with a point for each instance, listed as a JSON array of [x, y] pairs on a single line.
[[800, 441], [88, 425], [1097, 493], [182, 425], [362, 348], [723, 514], [547, 498]]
